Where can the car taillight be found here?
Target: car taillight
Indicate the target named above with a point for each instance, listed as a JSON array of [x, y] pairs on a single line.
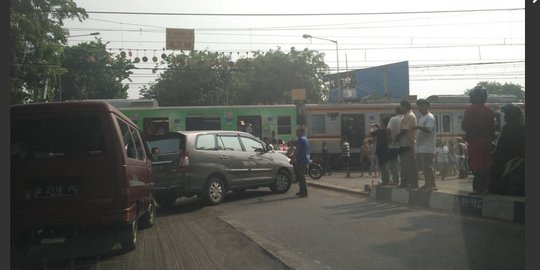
[[183, 163]]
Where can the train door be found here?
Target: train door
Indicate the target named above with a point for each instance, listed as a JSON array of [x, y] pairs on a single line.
[[353, 129], [250, 124], [443, 124]]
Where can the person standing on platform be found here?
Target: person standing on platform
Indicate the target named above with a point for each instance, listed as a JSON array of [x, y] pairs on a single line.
[[461, 158], [394, 125], [479, 126], [325, 160], [382, 136], [441, 155], [509, 150], [425, 144], [407, 143]]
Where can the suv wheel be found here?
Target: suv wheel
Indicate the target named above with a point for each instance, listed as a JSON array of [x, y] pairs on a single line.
[[215, 191], [282, 182]]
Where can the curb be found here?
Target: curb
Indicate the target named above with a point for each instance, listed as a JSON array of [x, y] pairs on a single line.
[[267, 247], [508, 208]]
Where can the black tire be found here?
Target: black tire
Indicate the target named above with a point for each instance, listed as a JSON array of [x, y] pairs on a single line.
[[165, 200], [315, 171], [149, 218], [215, 191], [129, 238], [282, 182]]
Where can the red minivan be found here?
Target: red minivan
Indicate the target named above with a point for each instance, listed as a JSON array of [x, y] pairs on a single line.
[[78, 167]]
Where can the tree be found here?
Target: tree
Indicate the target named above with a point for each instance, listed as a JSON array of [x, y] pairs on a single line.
[[92, 73], [36, 40], [270, 76], [496, 88], [205, 78], [197, 78]]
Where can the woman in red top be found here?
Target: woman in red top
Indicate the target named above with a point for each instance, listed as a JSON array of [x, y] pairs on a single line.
[[479, 126]]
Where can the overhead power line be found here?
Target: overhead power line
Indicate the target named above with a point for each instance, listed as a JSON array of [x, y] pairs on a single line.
[[297, 14]]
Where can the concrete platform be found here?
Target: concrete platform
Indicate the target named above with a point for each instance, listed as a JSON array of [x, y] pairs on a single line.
[[452, 195]]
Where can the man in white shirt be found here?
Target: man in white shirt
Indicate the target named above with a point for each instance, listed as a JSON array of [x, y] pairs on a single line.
[[394, 125], [407, 143], [425, 144]]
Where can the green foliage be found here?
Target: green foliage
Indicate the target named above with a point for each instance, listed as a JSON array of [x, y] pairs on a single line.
[[205, 78], [36, 42], [496, 88], [92, 73]]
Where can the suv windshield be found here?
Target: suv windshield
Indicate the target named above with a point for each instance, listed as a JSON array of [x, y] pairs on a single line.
[[54, 136]]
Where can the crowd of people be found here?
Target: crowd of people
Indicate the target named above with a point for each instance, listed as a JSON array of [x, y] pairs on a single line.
[[402, 148]]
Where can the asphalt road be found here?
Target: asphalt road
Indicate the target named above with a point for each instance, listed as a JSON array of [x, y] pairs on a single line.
[[331, 230], [189, 236], [327, 230]]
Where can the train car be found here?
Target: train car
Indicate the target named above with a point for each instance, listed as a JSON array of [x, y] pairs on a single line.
[[332, 123], [352, 122], [272, 121]]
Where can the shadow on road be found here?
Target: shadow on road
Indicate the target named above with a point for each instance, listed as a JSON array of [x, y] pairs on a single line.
[[370, 209], [487, 245]]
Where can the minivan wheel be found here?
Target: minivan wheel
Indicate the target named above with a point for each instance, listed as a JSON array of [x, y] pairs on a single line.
[[282, 182], [148, 219], [215, 191], [129, 240]]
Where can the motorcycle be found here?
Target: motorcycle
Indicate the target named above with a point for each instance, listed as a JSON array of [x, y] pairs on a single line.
[[314, 170]]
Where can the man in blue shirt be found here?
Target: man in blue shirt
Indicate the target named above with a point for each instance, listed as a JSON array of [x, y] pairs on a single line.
[[301, 160]]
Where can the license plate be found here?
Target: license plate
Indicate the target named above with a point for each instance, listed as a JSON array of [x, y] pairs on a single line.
[[56, 191]]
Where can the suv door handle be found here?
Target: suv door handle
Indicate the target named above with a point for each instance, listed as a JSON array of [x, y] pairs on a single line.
[[251, 157], [223, 157]]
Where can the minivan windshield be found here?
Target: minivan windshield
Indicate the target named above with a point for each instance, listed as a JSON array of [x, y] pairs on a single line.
[[56, 136]]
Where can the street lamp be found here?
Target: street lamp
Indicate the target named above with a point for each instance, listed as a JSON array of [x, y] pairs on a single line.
[[91, 34], [337, 54]]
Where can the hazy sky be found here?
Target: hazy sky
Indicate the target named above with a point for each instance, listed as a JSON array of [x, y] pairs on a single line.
[[448, 50]]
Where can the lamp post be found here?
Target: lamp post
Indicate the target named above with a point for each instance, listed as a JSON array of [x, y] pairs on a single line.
[[91, 34], [337, 54]]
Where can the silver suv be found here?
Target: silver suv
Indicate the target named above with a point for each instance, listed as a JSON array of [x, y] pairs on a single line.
[[209, 163]]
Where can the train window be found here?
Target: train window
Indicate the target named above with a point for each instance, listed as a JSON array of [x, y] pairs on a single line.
[[318, 124], [284, 125], [446, 123], [155, 126], [203, 123], [443, 123]]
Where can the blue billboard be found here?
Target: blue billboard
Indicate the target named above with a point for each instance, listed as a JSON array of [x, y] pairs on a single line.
[[389, 81]]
